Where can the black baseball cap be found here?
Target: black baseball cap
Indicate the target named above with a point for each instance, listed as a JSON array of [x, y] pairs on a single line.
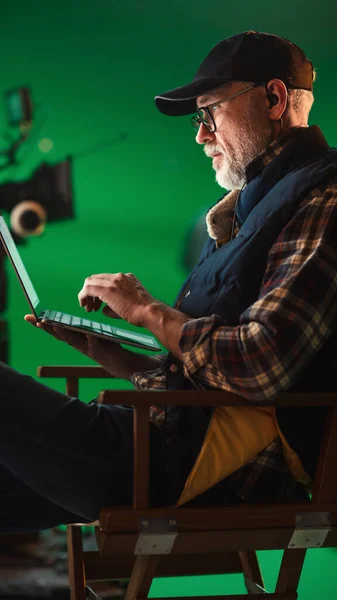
[[250, 56]]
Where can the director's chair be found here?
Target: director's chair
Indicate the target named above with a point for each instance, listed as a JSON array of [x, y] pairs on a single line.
[[139, 543]]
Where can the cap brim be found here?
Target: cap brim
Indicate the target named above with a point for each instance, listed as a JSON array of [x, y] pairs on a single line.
[[182, 100]]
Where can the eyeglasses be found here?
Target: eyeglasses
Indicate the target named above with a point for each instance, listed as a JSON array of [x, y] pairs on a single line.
[[205, 116]]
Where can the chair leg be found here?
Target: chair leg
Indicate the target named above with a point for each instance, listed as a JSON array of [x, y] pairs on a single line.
[[143, 572], [290, 570], [76, 571], [252, 572]]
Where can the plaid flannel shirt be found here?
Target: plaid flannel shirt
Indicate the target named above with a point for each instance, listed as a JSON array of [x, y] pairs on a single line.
[[277, 335]]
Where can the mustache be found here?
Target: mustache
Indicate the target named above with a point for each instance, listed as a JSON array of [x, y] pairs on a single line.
[[211, 150]]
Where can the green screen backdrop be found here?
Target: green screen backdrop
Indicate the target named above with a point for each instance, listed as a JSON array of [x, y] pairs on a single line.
[[94, 69]]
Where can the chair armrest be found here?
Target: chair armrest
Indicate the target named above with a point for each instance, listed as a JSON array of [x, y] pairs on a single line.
[[325, 485], [209, 398], [72, 371], [72, 374]]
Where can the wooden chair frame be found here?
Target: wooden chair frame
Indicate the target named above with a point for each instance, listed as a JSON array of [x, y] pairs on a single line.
[[140, 543]]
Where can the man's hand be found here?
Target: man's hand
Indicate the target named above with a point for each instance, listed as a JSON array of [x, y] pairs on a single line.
[[119, 362], [126, 298], [74, 339], [124, 295], [90, 345], [107, 354]]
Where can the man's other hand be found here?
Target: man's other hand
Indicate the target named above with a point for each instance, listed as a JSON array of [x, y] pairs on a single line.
[[77, 340], [102, 351], [124, 295], [121, 363]]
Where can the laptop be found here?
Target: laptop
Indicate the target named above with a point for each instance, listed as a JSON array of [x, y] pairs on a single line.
[[101, 330]]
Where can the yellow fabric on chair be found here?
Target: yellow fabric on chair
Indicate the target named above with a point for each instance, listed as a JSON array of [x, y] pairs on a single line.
[[234, 436]]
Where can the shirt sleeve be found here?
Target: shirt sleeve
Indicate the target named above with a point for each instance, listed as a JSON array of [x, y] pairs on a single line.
[[154, 379], [291, 319]]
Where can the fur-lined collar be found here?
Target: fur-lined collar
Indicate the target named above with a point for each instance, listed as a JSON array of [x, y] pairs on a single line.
[[219, 218]]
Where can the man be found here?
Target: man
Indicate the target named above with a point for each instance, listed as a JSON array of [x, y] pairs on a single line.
[[257, 316]]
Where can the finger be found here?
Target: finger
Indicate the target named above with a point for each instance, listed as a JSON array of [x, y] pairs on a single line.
[[45, 327], [91, 290], [103, 279], [56, 333], [93, 303], [97, 348], [96, 286], [108, 312], [89, 304], [137, 283], [31, 319], [132, 276], [39, 324], [49, 328], [73, 338], [88, 301], [103, 275], [97, 303], [87, 293]]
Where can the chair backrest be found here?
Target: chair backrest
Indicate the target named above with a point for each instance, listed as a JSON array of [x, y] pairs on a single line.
[[324, 487], [198, 532]]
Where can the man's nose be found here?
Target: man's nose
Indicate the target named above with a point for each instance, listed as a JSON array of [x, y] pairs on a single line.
[[204, 135]]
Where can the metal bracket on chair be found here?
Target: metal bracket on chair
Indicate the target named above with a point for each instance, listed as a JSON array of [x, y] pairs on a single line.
[[156, 536], [311, 530]]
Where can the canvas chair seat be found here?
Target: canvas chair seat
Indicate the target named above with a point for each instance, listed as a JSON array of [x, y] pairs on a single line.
[[139, 543]]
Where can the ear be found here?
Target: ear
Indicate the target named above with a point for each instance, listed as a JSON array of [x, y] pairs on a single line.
[[277, 99]]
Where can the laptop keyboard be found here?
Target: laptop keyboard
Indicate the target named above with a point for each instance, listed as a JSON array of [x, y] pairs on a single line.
[[60, 317], [107, 330]]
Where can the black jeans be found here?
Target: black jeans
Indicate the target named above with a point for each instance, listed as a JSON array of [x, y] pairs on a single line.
[[62, 460]]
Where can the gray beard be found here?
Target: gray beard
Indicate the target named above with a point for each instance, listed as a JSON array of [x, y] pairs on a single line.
[[230, 180]]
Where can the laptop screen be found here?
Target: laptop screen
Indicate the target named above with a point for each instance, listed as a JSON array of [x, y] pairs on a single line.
[[119, 335], [18, 264]]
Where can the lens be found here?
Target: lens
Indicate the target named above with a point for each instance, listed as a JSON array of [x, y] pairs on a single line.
[[195, 123], [205, 118]]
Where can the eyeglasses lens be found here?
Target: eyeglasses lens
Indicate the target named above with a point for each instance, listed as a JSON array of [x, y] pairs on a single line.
[[195, 123], [204, 118]]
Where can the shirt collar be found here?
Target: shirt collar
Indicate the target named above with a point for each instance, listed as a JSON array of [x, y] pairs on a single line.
[[269, 153]]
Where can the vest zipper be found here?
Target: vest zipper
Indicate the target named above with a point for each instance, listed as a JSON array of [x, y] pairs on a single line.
[[183, 294]]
